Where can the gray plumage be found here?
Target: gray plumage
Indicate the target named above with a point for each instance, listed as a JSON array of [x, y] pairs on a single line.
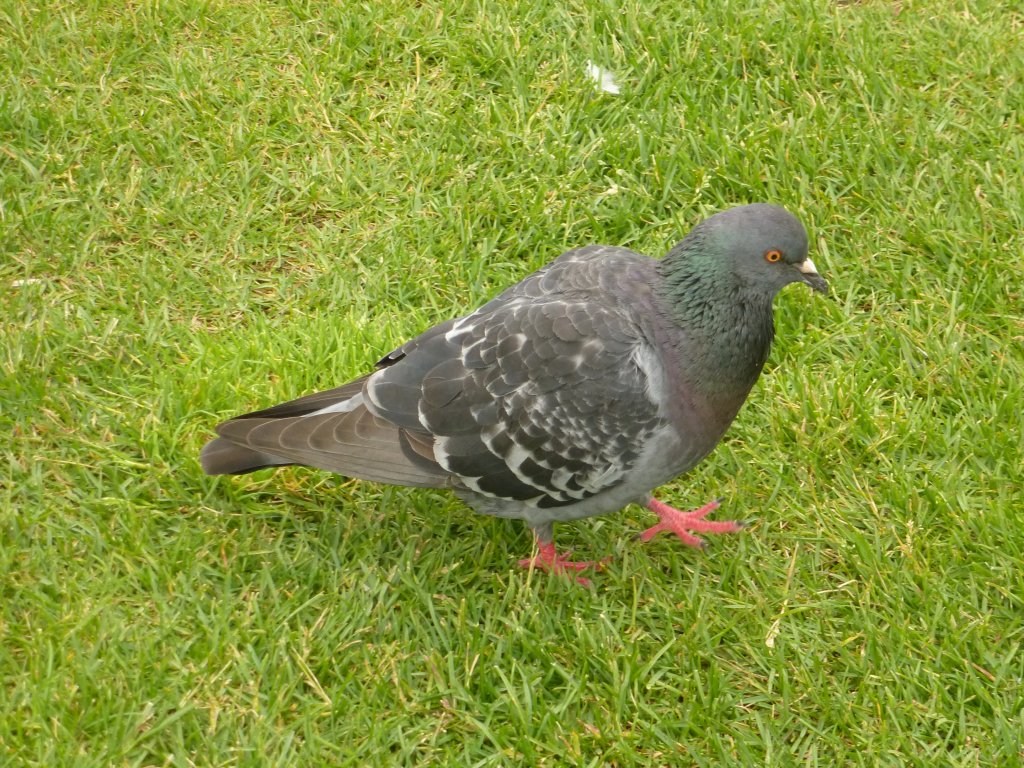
[[573, 393]]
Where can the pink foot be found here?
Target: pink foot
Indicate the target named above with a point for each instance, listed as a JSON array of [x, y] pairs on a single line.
[[682, 523], [549, 561]]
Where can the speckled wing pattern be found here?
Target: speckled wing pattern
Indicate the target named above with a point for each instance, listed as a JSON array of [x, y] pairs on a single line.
[[540, 395]]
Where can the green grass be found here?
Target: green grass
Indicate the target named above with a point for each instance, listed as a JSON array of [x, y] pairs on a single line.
[[208, 207]]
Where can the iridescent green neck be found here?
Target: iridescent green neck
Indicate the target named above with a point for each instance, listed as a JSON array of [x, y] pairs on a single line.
[[728, 326]]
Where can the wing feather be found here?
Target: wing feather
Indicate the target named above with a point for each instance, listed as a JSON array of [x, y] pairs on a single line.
[[537, 400]]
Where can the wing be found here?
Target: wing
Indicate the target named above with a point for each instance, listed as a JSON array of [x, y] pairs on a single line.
[[542, 399]]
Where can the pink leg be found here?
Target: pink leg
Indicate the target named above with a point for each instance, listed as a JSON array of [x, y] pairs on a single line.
[[682, 523], [548, 560]]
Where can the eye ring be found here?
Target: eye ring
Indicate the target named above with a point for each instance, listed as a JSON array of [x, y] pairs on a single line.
[[772, 256]]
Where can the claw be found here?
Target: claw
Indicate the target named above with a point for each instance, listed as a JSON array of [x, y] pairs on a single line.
[[682, 523], [549, 561]]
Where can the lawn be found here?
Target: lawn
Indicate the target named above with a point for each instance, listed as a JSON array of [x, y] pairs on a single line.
[[209, 207]]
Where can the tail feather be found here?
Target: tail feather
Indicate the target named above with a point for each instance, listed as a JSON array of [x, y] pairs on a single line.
[[330, 430], [223, 457]]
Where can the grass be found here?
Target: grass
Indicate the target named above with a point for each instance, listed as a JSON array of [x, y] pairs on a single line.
[[208, 207]]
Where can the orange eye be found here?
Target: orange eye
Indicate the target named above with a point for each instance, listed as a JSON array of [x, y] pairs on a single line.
[[772, 256]]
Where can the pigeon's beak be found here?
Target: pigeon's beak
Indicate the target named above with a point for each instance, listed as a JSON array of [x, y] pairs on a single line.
[[810, 276]]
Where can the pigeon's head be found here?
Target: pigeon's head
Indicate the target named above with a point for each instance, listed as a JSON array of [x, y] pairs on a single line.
[[763, 247]]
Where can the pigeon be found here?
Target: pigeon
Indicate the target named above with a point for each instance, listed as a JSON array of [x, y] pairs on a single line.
[[573, 393]]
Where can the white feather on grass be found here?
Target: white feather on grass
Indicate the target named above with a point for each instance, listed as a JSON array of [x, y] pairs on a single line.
[[604, 79]]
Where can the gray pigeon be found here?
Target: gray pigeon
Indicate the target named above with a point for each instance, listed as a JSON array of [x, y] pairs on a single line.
[[573, 393]]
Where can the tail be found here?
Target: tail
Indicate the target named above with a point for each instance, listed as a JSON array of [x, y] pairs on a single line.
[[222, 457], [331, 430]]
